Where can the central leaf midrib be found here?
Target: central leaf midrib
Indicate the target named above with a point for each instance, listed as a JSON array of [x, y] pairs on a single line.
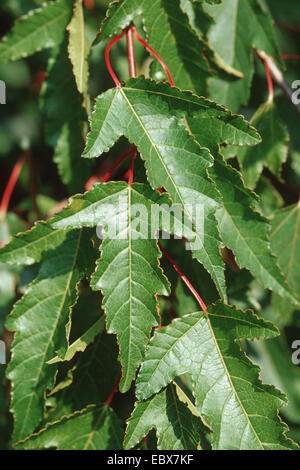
[[130, 283]]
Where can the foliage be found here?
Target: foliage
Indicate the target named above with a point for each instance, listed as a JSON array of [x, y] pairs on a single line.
[[106, 343]]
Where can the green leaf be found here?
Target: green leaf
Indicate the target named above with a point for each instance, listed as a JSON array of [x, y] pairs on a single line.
[[218, 125], [285, 13], [81, 343], [239, 27], [28, 247], [201, 22], [91, 380], [186, 54], [62, 106], [79, 48], [270, 198], [39, 320], [129, 277], [273, 150], [8, 284], [246, 232], [230, 397], [285, 244], [143, 113], [176, 427], [241, 228], [274, 358], [93, 428], [142, 108], [128, 273], [39, 29]]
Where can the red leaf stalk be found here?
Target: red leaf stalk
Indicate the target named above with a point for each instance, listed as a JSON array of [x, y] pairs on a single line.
[[113, 392], [156, 55], [290, 57], [269, 80], [10, 186], [90, 5], [107, 59], [130, 174], [131, 52], [184, 279], [94, 178], [131, 55]]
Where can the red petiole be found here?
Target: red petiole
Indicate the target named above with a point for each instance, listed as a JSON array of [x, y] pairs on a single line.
[[131, 56], [93, 179], [10, 186], [156, 55], [184, 279], [89, 4], [290, 57], [113, 392], [269, 80], [131, 52], [107, 59], [269, 75], [130, 174]]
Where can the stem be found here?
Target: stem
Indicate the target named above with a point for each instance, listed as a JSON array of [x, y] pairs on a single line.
[[184, 279], [113, 392], [89, 4], [156, 55], [131, 52], [270, 81], [94, 178], [37, 81], [130, 175], [290, 57], [116, 164], [107, 59], [10, 186], [144, 443]]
